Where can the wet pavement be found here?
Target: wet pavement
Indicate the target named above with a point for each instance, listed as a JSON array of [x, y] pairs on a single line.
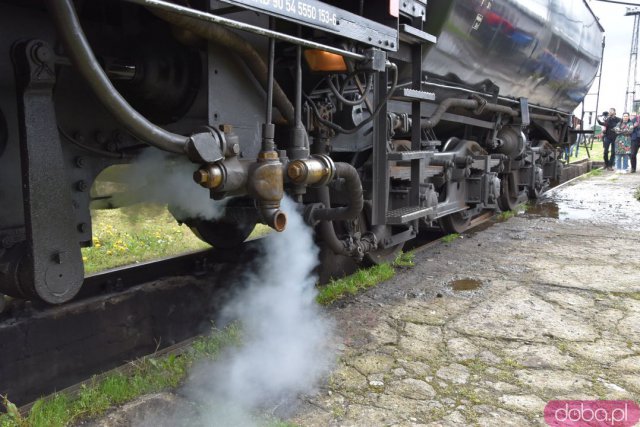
[[487, 329]]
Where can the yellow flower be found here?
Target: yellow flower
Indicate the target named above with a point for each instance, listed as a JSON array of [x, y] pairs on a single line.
[[97, 245], [109, 253], [84, 258]]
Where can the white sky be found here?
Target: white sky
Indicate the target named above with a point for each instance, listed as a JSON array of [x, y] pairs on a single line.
[[618, 32]]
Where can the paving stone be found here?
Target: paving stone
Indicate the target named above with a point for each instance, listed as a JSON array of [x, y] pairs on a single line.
[[553, 381], [571, 300], [462, 349], [413, 389], [629, 364], [539, 356], [489, 357], [601, 351], [384, 334], [347, 378], [524, 403], [519, 315], [629, 327], [502, 418], [454, 373], [501, 386], [371, 363], [632, 381]]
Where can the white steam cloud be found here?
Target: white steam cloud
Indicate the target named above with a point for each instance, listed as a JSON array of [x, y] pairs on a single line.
[[156, 177], [285, 349]]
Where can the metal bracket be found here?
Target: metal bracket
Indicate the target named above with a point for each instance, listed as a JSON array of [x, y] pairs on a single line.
[[524, 112], [414, 8], [52, 266]]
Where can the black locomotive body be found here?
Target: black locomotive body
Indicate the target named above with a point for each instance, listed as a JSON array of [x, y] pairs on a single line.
[[378, 118]]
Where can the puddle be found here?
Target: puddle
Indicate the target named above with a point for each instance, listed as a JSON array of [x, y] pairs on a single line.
[[465, 284], [595, 200]]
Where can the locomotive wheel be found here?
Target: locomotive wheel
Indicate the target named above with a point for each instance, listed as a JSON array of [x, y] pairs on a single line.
[[239, 220], [507, 201], [455, 223]]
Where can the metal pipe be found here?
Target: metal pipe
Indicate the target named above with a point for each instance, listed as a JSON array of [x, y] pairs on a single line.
[[78, 49], [270, 79], [476, 104], [477, 92], [208, 17], [354, 191]]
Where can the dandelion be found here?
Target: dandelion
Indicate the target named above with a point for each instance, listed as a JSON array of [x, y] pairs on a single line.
[[109, 253], [97, 245], [84, 259]]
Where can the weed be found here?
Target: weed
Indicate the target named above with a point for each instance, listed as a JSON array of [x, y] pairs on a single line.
[[450, 237], [637, 194], [476, 366], [510, 364], [505, 215], [350, 285], [562, 346], [593, 172], [405, 259]]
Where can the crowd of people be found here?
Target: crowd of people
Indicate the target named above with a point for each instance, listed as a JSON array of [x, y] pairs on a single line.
[[621, 140]]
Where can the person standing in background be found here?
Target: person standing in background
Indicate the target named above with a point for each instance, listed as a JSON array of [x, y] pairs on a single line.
[[610, 122], [635, 142], [623, 143]]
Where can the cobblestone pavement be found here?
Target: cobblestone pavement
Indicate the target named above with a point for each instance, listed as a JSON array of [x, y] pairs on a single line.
[[555, 315]]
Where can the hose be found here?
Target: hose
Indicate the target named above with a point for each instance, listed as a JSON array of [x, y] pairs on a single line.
[[78, 49], [222, 36]]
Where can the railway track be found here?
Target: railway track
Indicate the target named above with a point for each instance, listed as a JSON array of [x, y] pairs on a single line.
[[120, 315], [115, 319]]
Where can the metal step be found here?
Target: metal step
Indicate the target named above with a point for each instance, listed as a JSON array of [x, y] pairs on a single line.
[[407, 155], [407, 214], [413, 35], [407, 94]]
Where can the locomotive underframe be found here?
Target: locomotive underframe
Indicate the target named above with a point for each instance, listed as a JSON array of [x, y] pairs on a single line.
[[416, 160]]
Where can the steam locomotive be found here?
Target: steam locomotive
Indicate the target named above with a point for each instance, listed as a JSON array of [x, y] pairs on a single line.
[[377, 118]]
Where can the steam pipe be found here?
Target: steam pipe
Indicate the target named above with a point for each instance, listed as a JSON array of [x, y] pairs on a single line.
[[479, 105], [224, 37], [354, 191], [82, 56], [464, 103]]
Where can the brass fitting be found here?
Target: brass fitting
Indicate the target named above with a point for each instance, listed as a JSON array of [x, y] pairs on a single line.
[[266, 186], [317, 170], [210, 176]]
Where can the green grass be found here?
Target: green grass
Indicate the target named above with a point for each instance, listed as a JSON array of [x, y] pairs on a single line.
[[450, 237], [147, 375], [405, 259], [137, 234], [597, 153], [351, 285], [363, 279]]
